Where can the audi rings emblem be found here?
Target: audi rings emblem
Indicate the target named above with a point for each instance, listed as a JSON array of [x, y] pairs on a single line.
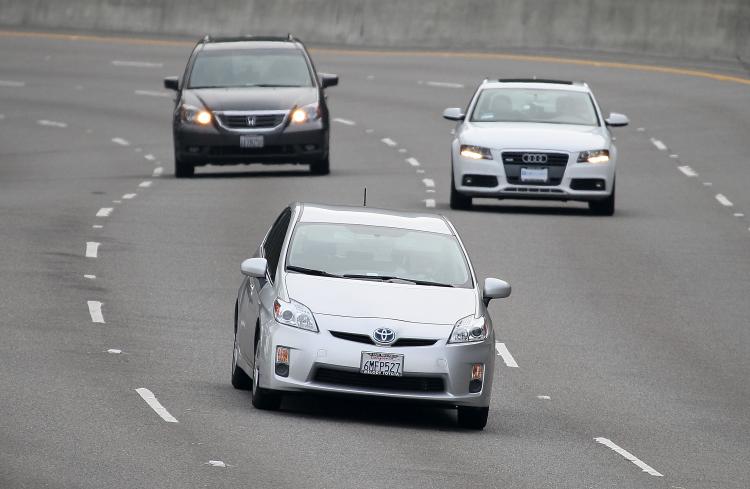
[[251, 121], [539, 158], [384, 336]]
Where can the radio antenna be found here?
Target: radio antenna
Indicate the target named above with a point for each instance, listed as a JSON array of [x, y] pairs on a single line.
[[364, 200]]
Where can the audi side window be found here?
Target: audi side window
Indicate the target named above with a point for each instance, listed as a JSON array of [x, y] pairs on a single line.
[[275, 240]]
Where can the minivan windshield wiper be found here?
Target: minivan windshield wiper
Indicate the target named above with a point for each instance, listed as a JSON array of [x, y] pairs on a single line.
[[310, 271], [390, 278]]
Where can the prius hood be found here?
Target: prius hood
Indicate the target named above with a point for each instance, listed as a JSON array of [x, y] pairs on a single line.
[[371, 299], [530, 136], [253, 98]]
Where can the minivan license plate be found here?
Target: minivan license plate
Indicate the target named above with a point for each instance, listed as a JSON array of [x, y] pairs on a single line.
[[247, 141], [533, 174], [374, 363]]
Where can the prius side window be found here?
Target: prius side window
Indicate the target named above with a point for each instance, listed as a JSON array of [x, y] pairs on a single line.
[[275, 241]]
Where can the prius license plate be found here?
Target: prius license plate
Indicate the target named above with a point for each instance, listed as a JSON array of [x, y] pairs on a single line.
[[382, 364], [247, 141], [534, 175]]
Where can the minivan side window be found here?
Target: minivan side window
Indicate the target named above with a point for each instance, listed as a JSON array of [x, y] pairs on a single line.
[[275, 241]]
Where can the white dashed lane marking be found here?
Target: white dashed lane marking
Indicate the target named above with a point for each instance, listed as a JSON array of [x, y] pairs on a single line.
[[157, 171], [128, 196], [149, 157], [429, 203], [45, 122], [121, 141], [503, 351], [97, 226], [544, 398], [145, 184], [628, 456], [659, 145], [154, 404], [389, 142], [89, 276], [428, 182], [440, 84], [723, 200], [153, 93], [739, 214], [412, 161], [114, 351], [104, 212], [12, 83], [137, 64], [216, 463], [345, 122], [92, 249], [687, 171], [95, 311], [674, 156]]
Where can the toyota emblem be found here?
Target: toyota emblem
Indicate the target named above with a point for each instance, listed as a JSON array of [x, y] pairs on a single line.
[[251, 121], [539, 158], [384, 336]]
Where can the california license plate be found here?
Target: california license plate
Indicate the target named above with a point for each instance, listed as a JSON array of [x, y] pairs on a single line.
[[534, 175], [374, 363], [247, 141]]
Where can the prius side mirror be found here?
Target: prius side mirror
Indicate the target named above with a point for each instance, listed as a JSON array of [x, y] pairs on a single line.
[[254, 267], [495, 289]]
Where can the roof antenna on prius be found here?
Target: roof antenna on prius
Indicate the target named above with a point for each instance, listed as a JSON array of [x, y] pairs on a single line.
[[364, 200]]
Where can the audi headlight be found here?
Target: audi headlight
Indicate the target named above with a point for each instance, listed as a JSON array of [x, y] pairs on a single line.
[[305, 114], [475, 152], [596, 156], [469, 330], [195, 115], [294, 314]]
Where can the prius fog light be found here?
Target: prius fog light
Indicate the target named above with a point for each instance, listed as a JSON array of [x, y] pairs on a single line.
[[282, 361], [477, 374]]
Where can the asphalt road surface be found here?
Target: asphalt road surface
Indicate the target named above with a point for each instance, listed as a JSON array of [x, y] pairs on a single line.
[[627, 338]]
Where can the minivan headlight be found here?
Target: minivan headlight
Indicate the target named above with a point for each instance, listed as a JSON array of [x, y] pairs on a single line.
[[305, 114], [469, 330], [195, 115], [294, 314]]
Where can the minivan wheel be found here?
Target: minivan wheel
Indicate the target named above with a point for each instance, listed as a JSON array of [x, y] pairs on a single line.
[[473, 418], [183, 169], [265, 399], [321, 167]]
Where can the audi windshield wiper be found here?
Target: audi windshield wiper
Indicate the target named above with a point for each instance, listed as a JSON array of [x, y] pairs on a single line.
[[271, 85], [310, 271], [389, 278]]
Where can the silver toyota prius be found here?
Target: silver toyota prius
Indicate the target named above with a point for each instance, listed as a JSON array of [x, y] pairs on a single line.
[[368, 302]]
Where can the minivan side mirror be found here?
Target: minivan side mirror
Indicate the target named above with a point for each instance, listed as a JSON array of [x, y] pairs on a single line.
[[495, 289], [254, 267], [172, 83], [328, 80], [454, 114], [617, 120]]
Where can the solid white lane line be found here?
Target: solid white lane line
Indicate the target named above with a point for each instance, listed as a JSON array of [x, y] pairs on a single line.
[[95, 310], [154, 403], [503, 351], [137, 64], [723, 200], [628, 456], [389, 142], [659, 145], [689, 172], [345, 122], [412, 161], [12, 83], [145, 184], [89, 276], [444, 84], [128, 196], [104, 212], [149, 157], [428, 182], [157, 171], [429, 202], [153, 93], [92, 249], [121, 141], [45, 122], [114, 350]]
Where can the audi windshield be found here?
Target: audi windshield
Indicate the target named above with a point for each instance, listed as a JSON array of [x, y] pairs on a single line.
[[535, 105]]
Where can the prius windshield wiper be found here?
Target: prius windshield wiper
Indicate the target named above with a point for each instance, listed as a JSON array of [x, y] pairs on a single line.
[[389, 278], [310, 271]]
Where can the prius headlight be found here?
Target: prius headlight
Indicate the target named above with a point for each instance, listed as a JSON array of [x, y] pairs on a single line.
[[469, 330], [294, 314], [595, 156], [195, 115], [475, 152], [305, 114]]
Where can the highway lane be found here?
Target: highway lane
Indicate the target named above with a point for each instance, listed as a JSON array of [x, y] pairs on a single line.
[[634, 327]]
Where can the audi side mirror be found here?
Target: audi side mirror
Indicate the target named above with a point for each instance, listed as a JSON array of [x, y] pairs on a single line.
[[617, 120], [454, 114]]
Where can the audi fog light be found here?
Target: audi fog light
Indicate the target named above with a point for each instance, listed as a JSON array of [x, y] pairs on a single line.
[[597, 156], [469, 330], [294, 314], [475, 152]]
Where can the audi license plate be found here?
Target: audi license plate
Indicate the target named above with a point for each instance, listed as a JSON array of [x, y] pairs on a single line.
[[382, 363], [247, 141], [534, 175]]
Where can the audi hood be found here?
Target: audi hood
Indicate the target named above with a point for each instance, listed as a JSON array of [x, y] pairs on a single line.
[[529, 135]]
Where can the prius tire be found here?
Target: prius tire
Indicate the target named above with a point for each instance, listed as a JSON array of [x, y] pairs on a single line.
[[458, 200], [604, 207], [265, 399], [183, 169], [240, 380], [321, 167], [473, 418]]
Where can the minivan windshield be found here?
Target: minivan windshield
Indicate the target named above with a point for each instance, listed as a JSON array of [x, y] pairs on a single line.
[[378, 253], [250, 67], [535, 105]]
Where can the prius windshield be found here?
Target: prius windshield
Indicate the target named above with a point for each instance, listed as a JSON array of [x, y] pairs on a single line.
[[535, 105], [378, 253], [250, 68]]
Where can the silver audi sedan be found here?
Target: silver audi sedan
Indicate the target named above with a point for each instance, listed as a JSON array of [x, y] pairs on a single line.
[[368, 302]]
